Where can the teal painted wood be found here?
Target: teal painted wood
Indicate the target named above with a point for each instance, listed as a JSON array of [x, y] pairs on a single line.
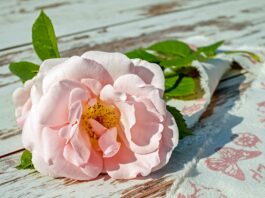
[[131, 25]]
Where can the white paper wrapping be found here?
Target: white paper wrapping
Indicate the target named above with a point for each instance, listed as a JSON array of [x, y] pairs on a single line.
[[225, 158]]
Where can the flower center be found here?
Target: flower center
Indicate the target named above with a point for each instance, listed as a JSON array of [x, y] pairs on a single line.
[[106, 115]]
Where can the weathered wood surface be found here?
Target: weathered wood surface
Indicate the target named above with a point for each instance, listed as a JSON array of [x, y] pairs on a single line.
[[115, 26]]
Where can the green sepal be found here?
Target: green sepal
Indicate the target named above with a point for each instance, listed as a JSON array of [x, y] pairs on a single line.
[[25, 160]]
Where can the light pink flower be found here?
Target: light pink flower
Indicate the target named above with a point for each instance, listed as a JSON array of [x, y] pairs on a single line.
[[98, 113]]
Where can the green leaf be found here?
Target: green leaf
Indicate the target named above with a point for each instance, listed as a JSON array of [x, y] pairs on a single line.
[[251, 54], [210, 50], [142, 54], [43, 38], [25, 161], [178, 62], [187, 89], [171, 47], [24, 70], [182, 126]]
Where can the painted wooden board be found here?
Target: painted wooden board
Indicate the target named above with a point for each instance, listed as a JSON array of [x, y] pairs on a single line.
[[241, 23], [121, 26], [17, 16]]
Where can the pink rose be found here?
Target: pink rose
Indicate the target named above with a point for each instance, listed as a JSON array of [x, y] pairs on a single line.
[[98, 113]]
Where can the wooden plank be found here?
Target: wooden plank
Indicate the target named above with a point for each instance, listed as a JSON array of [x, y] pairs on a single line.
[[29, 183], [71, 17], [235, 26]]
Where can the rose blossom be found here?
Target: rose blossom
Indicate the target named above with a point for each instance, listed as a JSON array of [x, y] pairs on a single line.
[[98, 113]]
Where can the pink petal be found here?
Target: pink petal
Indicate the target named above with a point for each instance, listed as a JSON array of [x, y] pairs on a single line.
[[94, 166], [127, 165], [51, 161], [76, 69], [136, 87], [147, 131], [70, 155], [157, 101], [116, 64], [75, 112], [141, 92], [141, 128], [168, 141], [91, 102], [53, 106], [21, 120], [130, 84], [108, 143], [98, 128], [151, 73], [68, 131], [24, 114], [36, 90], [31, 133], [93, 85], [108, 94], [78, 94], [48, 64], [61, 168], [81, 145], [127, 119], [22, 94], [64, 132]]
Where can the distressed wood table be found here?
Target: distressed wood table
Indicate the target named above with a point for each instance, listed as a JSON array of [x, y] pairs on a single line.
[[115, 25]]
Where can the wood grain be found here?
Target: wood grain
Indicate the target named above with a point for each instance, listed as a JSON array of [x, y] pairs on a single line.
[[18, 16], [118, 26]]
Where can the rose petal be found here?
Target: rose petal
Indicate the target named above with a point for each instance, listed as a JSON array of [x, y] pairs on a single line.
[[53, 163], [25, 110], [70, 155], [78, 94], [168, 141], [94, 166], [36, 90], [61, 168], [108, 94], [65, 131], [48, 64], [22, 94], [81, 145], [129, 83], [147, 131], [141, 128], [75, 112], [53, 106], [116, 64], [127, 165], [76, 69], [140, 91], [151, 73], [98, 128], [31, 133], [93, 85], [108, 143]]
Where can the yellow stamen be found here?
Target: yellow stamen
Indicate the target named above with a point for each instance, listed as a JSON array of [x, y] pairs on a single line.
[[107, 115]]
